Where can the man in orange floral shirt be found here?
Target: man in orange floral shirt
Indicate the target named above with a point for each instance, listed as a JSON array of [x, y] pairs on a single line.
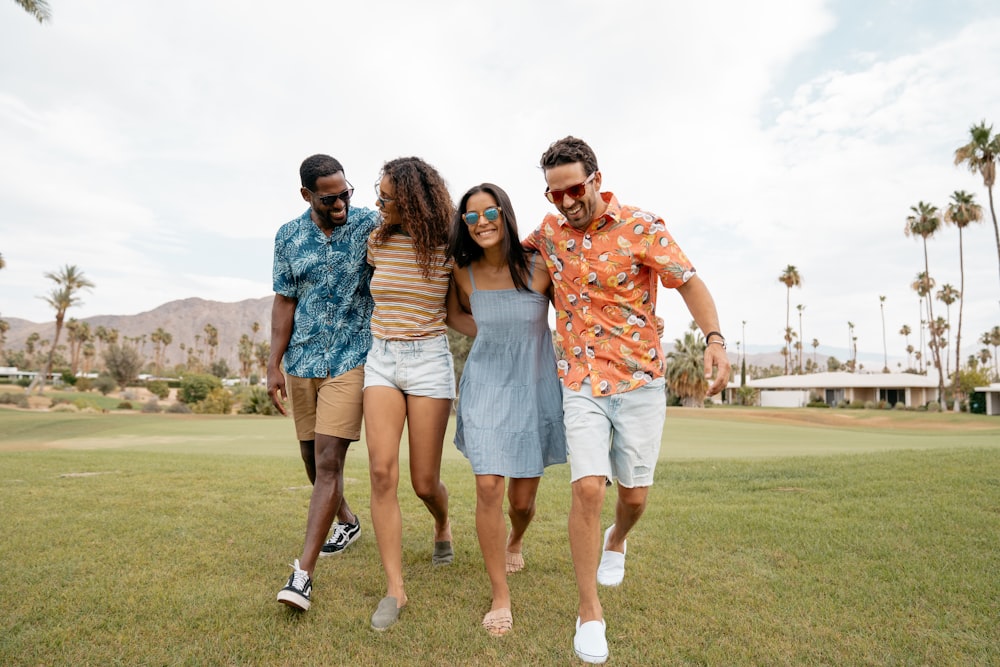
[[605, 260]]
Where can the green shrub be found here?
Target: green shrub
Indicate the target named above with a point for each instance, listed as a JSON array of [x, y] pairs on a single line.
[[899, 406], [933, 406], [84, 384], [82, 403], [23, 382], [151, 407], [855, 405], [125, 405], [869, 405], [158, 388], [68, 378], [257, 402], [17, 400], [196, 387], [105, 384], [218, 402], [817, 404], [64, 407], [179, 408]]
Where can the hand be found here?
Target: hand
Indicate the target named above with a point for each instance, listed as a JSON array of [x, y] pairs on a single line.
[[276, 389], [715, 357]]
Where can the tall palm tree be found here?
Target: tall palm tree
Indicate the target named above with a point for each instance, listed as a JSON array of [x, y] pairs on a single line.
[[962, 212], [4, 328], [37, 8], [885, 350], [992, 338], [850, 338], [948, 295], [212, 340], [923, 222], [981, 155], [790, 278], [800, 308], [69, 281], [905, 332], [815, 344]]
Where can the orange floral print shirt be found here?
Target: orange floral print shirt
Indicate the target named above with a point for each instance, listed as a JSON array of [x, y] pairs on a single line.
[[604, 292]]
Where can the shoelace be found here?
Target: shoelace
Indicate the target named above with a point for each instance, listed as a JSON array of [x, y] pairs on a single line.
[[299, 577]]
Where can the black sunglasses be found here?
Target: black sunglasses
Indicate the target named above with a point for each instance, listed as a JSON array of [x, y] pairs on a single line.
[[330, 200]]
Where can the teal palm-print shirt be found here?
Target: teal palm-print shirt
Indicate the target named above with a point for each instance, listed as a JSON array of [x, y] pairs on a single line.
[[330, 278]]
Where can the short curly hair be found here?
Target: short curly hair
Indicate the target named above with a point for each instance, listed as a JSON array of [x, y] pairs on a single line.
[[425, 207], [567, 151], [316, 167]]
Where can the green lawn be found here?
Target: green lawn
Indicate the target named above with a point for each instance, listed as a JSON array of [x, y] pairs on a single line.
[[772, 538]]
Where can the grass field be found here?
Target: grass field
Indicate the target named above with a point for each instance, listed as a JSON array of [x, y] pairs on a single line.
[[773, 537]]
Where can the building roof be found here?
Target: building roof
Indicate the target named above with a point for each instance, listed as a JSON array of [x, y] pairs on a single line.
[[840, 379]]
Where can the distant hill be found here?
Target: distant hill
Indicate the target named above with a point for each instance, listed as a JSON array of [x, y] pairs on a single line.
[[183, 319]]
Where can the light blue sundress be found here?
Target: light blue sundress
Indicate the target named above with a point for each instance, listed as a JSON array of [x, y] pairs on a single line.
[[509, 416]]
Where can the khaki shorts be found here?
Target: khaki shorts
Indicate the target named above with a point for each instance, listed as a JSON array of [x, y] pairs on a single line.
[[328, 406]]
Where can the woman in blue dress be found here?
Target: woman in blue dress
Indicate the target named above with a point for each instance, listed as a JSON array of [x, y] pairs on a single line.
[[509, 414]]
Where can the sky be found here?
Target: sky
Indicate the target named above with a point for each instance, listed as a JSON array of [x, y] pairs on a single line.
[[156, 145]]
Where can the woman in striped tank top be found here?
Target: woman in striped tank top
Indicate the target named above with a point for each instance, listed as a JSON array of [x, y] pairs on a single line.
[[409, 373]]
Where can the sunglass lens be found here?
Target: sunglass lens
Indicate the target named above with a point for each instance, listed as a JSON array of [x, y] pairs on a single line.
[[471, 218], [491, 214]]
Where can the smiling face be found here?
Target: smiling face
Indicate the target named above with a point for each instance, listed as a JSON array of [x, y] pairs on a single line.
[[485, 233], [579, 212], [385, 201], [334, 215]]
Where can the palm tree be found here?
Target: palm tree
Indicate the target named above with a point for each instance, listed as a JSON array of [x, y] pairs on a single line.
[[885, 350], [790, 278], [962, 212], [992, 338], [850, 338], [815, 344], [685, 372], [948, 295], [212, 340], [905, 333], [37, 8], [923, 222], [4, 328], [800, 308], [980, 155], [69, 281]]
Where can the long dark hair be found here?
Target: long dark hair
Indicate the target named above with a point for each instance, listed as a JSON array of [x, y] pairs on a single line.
[[423, 202], [465, 250]]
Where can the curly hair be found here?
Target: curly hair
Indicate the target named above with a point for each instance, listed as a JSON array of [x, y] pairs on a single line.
[[567, 151], [424, 205], [466, 251]]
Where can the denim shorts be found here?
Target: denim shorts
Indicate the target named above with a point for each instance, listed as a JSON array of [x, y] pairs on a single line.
[[415, 367], [616, 436]]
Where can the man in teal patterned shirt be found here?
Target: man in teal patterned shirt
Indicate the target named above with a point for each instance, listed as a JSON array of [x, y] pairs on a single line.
[[320, 326]]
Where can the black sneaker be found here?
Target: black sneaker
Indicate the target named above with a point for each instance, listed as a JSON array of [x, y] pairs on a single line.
[[344, 535], [296, 592]]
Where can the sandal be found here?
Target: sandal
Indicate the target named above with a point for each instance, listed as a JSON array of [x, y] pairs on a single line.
[[498, 622], [443, 553], [514, 562]]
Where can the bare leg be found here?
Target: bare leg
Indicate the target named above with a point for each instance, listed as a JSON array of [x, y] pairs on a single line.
[[490, 527], [385, 413], [585, 542], [307, 448], [520, 509], [630, 506], [328, 491], [427, 419]]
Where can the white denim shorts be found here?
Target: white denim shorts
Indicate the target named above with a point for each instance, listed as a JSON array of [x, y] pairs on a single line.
[[415, 367], [617, 436]]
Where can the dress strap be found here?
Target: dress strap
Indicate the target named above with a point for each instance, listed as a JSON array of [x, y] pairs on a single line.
[[472, 278]]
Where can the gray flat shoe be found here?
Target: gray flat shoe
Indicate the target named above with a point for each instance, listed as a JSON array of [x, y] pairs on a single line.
[[385, 614], [443, 553]]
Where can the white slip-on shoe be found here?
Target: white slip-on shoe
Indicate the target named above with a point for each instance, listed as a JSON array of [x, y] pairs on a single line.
[[590, 643], [611, 571]]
